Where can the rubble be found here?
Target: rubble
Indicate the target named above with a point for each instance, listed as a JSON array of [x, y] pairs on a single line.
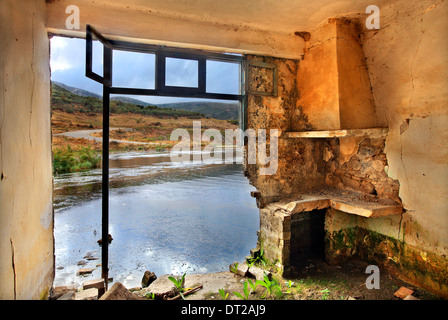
[[403, 292], [148, 278], [119, 292]]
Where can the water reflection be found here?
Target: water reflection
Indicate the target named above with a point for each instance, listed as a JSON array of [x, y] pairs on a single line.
[[164, 217]]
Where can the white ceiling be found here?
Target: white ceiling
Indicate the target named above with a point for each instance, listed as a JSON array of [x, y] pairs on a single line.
[[281, 15]]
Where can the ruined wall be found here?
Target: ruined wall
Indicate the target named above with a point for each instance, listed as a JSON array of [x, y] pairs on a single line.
[[404, 84], [360, 164], [406, 60], [26, 212], [300, 164]]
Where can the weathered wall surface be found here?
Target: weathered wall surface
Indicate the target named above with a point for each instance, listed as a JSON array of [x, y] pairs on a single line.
[[300, 164], [404, 83], [333, 81], [165, 23], [406, 59], [26, 211], [359, 164]]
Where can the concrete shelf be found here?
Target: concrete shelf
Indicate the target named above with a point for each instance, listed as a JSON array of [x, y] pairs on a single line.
[[371, 133], [348, 202]]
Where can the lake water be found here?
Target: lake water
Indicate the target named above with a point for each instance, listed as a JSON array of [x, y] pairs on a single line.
[[164, 217]]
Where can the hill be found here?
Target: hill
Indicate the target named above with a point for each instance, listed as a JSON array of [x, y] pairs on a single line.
[[70, 102], [77, 91], [216, 110], [211, 109]]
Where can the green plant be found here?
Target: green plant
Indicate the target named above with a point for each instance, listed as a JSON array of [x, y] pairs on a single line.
[[326, 293], [289, 285], [272, 287], [223, 294], [69, 160], [179, 283], [150, 295], [245, 291], [259, 258], [234, 268], [253, 285]]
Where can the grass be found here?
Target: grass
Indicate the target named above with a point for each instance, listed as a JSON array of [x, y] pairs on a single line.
[[143, 129], [70, 160]]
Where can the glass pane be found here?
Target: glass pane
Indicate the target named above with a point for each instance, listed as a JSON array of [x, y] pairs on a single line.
[[223, 77], [133, 69], [97, 57], [181, 73]]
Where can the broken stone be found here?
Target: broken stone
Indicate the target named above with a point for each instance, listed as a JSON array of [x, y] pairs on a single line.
[[242, 268], [378, 165], [85, 271], [403, 292], [119, 292], [328, 154], [162, 287], [148, 278], [82, 263], [410, 297], [255, 194], [70, 295], [96, 283], [258, 273], [57, 292], [88, 255], [254, 253], [100, 241], [92, 258], [89, 294]]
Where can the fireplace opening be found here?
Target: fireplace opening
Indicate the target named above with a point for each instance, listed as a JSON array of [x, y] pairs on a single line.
[[307, 242]]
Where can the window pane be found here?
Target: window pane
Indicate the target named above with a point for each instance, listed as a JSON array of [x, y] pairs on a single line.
[[223, 77], [97, 57], [133, 70], [181, 73]]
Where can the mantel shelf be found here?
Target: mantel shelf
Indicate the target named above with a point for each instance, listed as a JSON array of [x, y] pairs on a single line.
[[371, 133], [345, 201]]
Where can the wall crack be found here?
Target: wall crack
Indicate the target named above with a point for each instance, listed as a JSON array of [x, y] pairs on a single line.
[[13, 267]]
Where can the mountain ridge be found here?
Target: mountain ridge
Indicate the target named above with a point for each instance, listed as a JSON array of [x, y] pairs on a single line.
[[211, 109]]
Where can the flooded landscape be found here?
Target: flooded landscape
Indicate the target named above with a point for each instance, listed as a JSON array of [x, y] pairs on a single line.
[[166, 217]]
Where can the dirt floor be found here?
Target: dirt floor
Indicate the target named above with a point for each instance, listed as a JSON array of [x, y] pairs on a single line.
[[317, 280]]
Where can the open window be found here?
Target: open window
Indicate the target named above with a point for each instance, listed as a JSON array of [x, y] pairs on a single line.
[[171, 72]]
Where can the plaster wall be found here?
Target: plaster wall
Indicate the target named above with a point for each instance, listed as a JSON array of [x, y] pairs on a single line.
[[407, 59], [26, 210], [404, 86], [332, 78]]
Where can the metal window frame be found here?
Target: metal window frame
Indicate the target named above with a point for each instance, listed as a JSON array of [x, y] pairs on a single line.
[[161, 89]]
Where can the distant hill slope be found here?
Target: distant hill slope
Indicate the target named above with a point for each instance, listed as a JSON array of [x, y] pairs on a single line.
[[64, 100], [77, 91], [216, 110], [211, 109]]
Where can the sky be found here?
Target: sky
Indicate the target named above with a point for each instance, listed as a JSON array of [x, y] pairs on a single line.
[[135, 70]]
